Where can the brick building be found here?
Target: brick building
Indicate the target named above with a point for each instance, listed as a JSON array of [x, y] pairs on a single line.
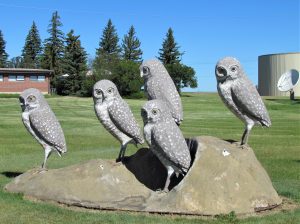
[[15, 80]]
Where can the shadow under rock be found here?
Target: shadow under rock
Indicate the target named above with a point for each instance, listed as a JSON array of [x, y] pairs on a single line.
[[230, 141], [10, 174], [148, 169]]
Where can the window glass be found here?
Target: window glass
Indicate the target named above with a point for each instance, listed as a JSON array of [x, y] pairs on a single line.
[[33, 78], [1, 78], [20, 77], [41, 78], [12, 78]]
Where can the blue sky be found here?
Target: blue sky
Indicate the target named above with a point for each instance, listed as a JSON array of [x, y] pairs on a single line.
[[206, 30]]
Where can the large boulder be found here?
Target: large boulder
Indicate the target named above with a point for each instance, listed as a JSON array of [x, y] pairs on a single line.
[[224, 177]]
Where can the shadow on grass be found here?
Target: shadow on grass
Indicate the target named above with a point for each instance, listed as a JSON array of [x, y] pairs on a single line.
[[10, 174], [186, 95], [148, 169]]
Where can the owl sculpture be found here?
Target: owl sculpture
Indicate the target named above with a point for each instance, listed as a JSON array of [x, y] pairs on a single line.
[[159, 85], [240, 95], [165, 139], [41, 123], [115, 115]]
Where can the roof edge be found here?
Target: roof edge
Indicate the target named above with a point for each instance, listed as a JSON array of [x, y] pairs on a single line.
[[264, 55], [25, 70]]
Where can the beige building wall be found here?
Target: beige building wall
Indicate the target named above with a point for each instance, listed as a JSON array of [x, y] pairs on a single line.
[[271, 67]]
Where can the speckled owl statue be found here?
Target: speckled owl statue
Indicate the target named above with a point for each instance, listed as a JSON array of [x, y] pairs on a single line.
[[41, 123], [165, 139], [240, 95], [159, 85], [115, 115]]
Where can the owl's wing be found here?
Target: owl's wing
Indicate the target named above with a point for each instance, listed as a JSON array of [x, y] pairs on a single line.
[[170, 94], [164, 88], [124, 120], [171, 143], [46, 126], [246, 97]]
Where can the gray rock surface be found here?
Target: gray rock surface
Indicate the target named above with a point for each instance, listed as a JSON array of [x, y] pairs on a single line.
[[223, 178]]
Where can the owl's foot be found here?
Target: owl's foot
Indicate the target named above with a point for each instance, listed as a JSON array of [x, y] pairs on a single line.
[[244, 146], [119, 159], [239, 145], [40, 170], [160, 191]]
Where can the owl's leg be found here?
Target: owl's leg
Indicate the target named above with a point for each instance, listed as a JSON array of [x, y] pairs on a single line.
[[170, 173], [245, 136], [48, 151], [122, 152]]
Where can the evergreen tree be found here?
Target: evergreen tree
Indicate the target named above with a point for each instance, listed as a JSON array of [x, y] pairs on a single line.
[[3, 54], [107, 64], [131, 47], [74, 64], [108, 45], [16, 62], [169, 53], [170, 56], [54, 48], [32, 49]]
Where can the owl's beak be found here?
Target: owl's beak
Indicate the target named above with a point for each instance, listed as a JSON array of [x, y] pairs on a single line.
[[144, 115], [22, 103]]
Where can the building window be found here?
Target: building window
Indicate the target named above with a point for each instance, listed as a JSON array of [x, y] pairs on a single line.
[[1, 78], [41, 78], [37, 78], [20, 77], [33, 78], [12, 78]]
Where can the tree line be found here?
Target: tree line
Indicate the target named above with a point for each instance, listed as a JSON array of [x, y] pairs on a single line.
[[119, 63]]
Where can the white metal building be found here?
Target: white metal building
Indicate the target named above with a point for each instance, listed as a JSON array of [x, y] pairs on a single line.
[[271, 67]]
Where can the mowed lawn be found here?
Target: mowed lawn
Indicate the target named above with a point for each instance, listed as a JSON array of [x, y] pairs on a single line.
[[277, 148]]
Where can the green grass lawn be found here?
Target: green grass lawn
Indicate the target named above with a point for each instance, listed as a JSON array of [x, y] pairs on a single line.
[[277, 148]]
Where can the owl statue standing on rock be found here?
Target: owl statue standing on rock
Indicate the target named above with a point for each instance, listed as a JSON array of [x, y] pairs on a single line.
[[115, 115], [165, 139], [240, 95], [159, 85], [41, 122]]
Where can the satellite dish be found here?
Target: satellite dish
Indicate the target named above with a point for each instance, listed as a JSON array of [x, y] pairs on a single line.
[[288, 80]]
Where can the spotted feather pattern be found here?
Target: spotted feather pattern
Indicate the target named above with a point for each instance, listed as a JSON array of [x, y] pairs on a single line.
[[124, 120], [45, 125], [239, 94], [159, 85], [169, 145]]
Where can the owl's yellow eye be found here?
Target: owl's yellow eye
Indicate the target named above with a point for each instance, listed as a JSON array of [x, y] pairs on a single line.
[[98, 91], [31, 98], [233, 69], [110, 90], [154, 111]]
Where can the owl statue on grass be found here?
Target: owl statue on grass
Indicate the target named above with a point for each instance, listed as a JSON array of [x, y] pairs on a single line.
[[159, 85], [41, 123], [165, 139], [115, 115], [240, 95]]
